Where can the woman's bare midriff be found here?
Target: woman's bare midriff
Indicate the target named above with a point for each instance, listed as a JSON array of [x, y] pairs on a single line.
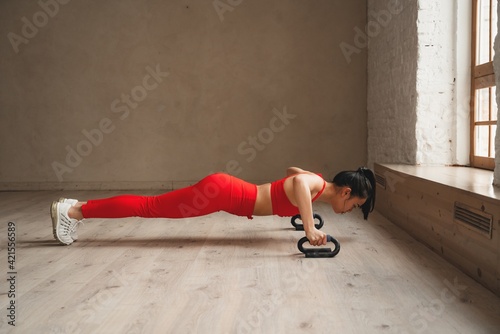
[[263, 204]]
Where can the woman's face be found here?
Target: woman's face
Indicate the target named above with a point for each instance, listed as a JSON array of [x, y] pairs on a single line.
[[344, 202]]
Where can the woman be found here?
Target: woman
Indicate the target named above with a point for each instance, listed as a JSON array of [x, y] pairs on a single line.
[[287, 197]]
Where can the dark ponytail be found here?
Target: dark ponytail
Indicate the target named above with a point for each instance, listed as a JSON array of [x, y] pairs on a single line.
[[362, 184]]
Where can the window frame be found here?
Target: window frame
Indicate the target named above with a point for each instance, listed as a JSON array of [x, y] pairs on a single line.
[[482, 76]]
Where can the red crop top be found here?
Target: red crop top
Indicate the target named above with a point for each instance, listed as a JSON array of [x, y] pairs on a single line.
[[281, 204]]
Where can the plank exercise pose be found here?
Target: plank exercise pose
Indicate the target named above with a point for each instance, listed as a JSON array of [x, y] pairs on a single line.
[[287, 197]]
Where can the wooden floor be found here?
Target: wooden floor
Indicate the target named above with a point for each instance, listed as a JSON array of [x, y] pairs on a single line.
[[225, 274]]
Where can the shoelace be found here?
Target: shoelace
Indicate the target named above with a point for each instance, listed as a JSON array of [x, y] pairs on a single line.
[[73, 227]]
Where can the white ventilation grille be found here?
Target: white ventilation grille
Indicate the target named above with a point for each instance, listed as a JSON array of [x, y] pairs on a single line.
[[474, 219], [380, 180]]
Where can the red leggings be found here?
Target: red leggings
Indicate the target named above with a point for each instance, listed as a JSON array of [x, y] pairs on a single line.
[[216, 192]]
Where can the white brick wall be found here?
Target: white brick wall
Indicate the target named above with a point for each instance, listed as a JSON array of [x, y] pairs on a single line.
[[392, 95], [435, 83], [496, 64], [417, 85]]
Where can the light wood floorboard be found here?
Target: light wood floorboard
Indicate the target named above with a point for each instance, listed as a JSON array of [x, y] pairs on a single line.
[[227, 274]]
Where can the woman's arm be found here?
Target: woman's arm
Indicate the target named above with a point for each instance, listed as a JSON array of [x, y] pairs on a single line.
[[302, 185]]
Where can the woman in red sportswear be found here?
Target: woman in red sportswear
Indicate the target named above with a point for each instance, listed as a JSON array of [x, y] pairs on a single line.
[[286, 197]]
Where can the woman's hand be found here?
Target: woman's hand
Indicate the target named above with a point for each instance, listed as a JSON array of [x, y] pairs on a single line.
[[316, 237]]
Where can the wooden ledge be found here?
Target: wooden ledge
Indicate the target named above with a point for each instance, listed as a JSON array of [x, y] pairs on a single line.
[[473, 180], [453, 210]]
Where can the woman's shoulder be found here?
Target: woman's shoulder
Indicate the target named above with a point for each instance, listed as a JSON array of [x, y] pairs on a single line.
[[293, 171]]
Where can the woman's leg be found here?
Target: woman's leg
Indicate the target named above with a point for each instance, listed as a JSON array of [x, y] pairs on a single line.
[[217, 192], [207, 196], [192, 201]]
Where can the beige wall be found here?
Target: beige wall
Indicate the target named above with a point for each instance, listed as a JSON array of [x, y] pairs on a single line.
[[77, 69]]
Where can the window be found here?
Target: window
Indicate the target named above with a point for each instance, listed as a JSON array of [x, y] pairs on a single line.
[[483, 91]]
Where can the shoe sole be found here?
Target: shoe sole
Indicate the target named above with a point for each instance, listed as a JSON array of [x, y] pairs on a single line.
[[53, 215]]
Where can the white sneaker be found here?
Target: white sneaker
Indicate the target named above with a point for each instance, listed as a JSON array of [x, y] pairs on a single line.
[[62, 225], [74, 234], [68, 200]]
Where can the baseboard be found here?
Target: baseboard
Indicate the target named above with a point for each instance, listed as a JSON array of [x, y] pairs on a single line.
[[50, 186]]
